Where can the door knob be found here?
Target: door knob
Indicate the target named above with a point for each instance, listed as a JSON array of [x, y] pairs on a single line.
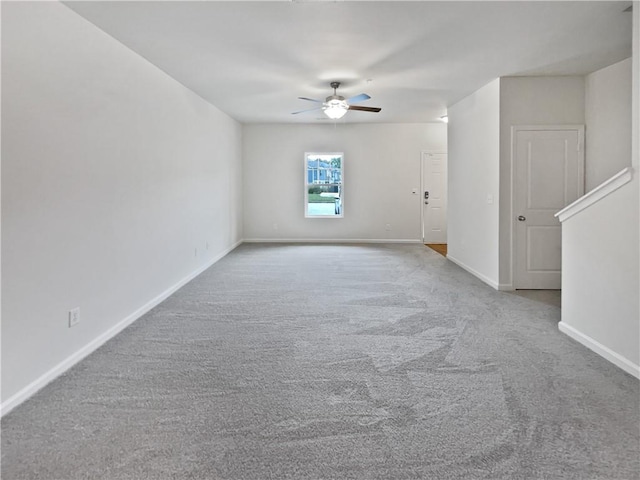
[[521, 218]]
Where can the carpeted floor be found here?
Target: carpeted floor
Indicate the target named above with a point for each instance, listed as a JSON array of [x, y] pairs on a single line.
[[333, 362]]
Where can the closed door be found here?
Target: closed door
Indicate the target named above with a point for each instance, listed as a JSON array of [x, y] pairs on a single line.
[[434, 197], [548, 175]]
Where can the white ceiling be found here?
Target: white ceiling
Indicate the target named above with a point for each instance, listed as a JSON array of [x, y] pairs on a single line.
[[253, 59]]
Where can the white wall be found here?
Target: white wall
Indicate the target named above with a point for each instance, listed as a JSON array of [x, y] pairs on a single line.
[[112, 175], [382, 165], [530, 101], [600, 277], [635, 93], [608, 120], [601, 244], [473, 187], [635, 122]]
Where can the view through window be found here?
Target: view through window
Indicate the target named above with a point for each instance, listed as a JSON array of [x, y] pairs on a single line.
[[323, 184]]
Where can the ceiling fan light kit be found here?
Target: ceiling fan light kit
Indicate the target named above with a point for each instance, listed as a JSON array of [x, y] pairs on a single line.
[[335, 106]]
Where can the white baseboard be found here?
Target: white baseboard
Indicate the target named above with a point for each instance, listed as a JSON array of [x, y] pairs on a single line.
[[331, 240], [96, 343], [605, 352], [475, 273]]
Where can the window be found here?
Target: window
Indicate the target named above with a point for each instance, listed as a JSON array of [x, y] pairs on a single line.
[[323, 185]]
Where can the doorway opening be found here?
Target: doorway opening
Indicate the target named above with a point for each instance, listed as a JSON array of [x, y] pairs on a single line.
[[547, 175], [433, 169]]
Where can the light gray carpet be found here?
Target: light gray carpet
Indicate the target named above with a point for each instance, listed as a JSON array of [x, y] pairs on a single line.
[[333, 362]]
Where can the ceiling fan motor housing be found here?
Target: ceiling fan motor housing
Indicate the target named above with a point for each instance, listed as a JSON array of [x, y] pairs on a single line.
[[334, 98], [335, 106]]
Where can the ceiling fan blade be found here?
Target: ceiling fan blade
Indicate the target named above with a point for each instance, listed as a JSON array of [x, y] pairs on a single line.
[[307, 110], [358, 98], [311, 99], [364, 109]]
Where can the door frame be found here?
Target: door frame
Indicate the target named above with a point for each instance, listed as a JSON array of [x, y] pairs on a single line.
[[423, 187], [512, 224]]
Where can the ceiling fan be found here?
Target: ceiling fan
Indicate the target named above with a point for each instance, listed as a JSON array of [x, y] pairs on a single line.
[[335, 106]]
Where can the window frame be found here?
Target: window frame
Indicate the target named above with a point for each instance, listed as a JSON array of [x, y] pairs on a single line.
[[339, 185]]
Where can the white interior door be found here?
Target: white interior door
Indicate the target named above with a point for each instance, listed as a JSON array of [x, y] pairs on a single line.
[[434, 197], [548, 175]]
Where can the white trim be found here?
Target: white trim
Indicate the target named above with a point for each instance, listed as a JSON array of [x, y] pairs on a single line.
[[485, 279], [331, 240], [421, 194], [96, 343], [307, 185], [621, 178], [423, 187], [605, 352], [558, 126]]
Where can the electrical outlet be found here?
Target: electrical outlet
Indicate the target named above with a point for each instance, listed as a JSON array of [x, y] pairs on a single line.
[[275, 226], [207, 245], [387, 227], [74, 317]]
